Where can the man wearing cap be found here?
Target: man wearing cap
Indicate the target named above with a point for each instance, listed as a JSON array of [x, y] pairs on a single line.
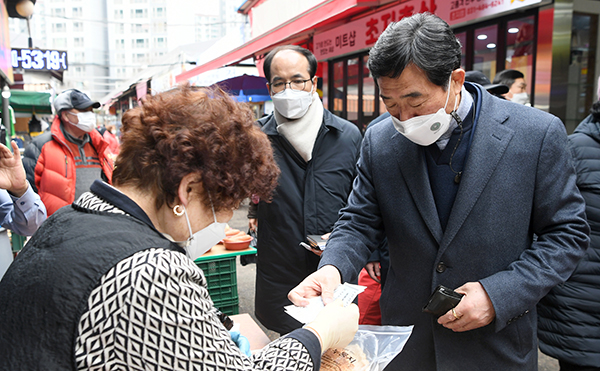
[[479, 78], [63, 163]]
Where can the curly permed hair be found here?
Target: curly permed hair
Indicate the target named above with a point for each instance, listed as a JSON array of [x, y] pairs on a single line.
[[204, 131]]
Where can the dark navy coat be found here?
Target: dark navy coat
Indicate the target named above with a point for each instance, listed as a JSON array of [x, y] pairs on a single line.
[[518, 181], [307, 201], [569, 316]]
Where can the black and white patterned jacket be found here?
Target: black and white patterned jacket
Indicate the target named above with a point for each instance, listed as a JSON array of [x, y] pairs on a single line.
[[153, 311], [99, 288]]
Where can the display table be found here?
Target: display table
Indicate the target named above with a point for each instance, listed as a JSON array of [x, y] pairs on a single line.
[[250, 329], [219, 252], [219, 268]]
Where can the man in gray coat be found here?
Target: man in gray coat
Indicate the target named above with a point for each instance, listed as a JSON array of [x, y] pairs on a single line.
[[459, 182]]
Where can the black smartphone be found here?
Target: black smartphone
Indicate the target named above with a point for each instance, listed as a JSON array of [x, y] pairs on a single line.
[[442, 300]]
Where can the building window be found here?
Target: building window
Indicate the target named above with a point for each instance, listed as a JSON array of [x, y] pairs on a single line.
[[140, 43], [59, 27], [159, 12], [59, 43], [160, 42], [159, 27], [77, 12], [139, 13], [78, 42], [77, 26], [139, 28], [78, 57], [119, 14], [120, 44], [58, 12]]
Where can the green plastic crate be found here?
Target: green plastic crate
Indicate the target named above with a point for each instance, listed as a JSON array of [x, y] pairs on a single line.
[[221, 279], [228, 307]]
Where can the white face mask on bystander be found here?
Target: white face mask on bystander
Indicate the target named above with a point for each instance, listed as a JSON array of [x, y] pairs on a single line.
[[87, 121], [520, 98], [292, 104]]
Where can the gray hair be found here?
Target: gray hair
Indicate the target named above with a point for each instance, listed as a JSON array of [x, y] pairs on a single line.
[[424, 40]]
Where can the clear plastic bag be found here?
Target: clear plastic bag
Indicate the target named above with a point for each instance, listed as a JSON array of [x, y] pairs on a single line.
[[372, 348]]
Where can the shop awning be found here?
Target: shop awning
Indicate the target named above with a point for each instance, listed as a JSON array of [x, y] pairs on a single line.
[[30, 101], [326, 12]]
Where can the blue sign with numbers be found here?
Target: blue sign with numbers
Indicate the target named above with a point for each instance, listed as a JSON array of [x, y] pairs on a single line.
[[39, 59]]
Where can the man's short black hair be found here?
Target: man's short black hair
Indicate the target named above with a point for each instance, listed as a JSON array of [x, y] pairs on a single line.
[[424, 40], [312, 61], [508, 77]]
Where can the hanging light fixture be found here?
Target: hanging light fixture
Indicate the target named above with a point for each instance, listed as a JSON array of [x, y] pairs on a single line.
[[25, 8], [5, 92]]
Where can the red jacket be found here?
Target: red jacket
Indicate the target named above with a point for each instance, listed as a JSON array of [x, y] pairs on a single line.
[[50, 165]]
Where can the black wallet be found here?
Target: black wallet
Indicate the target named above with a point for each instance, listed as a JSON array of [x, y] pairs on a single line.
[[442, 300]]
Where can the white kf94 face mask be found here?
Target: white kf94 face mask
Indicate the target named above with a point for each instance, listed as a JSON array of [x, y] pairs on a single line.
[[520, 98], [425, 130], [200, 242], [292, 104], [87, 121]]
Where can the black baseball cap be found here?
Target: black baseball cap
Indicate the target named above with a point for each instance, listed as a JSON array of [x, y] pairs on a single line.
[[479, 78], [73, 98]]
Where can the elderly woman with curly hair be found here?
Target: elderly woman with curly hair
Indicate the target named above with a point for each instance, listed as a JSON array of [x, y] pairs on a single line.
[[110, 283]]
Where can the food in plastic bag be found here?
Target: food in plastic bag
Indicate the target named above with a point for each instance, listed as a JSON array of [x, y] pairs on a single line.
[[372, 348]]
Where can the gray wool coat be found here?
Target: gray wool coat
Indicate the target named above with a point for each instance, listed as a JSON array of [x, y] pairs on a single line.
[[518, 181]]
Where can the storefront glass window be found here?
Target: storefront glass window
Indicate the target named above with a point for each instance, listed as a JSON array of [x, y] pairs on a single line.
[[323, 83], [352, 95], [368, 93], [338, 88], [462, 37], [582, 73], [520, 47], [485, 49]]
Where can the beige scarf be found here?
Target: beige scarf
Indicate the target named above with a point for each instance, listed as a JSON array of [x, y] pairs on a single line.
[[302, 132]]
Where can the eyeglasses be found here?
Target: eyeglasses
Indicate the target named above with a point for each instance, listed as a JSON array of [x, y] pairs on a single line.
[[278, 87]]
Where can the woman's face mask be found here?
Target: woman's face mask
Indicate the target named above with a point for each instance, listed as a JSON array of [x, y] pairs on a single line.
[[200, 242]]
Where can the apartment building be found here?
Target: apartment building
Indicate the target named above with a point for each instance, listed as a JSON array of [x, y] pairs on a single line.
[[109, 41]]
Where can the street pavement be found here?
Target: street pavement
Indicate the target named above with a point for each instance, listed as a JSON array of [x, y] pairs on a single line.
[[246, 278]]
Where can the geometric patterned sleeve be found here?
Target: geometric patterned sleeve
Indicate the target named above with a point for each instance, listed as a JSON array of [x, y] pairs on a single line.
[[152, 311]]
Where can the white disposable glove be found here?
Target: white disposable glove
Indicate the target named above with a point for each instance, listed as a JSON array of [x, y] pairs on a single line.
[[335, 325]]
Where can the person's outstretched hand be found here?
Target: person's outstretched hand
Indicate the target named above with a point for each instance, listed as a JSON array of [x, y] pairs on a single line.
[[320, 283], [374, 271], [12, 173], [335, 325]]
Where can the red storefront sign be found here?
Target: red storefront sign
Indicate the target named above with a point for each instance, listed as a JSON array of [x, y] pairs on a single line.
[[364, 32]]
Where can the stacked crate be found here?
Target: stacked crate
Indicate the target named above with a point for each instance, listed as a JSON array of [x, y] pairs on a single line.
[[221, 279]]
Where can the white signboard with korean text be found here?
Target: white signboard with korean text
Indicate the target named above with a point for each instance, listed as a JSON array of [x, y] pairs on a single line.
[[364, 32]]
